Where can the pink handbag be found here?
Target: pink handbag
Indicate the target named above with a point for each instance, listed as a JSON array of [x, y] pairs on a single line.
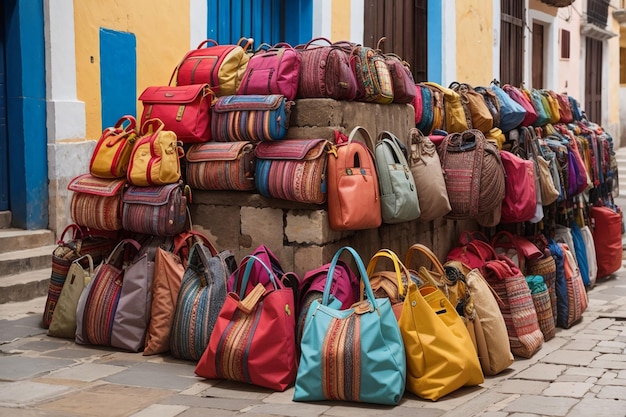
[[519, 97], [275, 70], [520, 198]]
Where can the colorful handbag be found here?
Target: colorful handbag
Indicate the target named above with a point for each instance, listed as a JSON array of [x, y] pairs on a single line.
[[520, 197], [159, 210], [425, 166], [517, 306], [519, 97], [441, 357], [543, 305], [398, 194], [455, 119], [404, 88], [111, 156], [293, 169], [475, 106], [373, 78], [512, 113], [219, 66], [63, 323], [221, 166], [424, 111], [353, 194], [576, 294], [96, 202], [353, 354], [201, 296], [82, 243], [115, 309], [254, 328], [389, 284], [474, 177], [156, 156], [325, 72], [184, 110], [251, 118], [491, 100], [275, 70]]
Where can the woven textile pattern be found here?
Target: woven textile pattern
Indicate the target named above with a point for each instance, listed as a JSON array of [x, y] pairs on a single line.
[[211, 167], [341, 363], [101, 305], [159, 210], [373, 77], [546, 267], [543, 307], [231, 360], [325, 73], [96, 212]]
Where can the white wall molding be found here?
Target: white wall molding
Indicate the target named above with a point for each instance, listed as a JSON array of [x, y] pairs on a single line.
[[198, 15]]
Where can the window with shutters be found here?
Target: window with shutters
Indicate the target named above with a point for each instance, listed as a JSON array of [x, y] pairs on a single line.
[[512, 42], [565, 44], [403, 23], [598, 12]]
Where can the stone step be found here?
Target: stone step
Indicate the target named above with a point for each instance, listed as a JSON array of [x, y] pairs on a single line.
[[20, 261], [24, 286], [12, 239], [5, 219]]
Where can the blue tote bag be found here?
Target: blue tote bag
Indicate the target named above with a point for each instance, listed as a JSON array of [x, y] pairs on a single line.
[[356, 354], [511, 112]]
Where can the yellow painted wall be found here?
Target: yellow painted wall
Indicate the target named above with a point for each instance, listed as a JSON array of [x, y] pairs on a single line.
[[340, 21], [474, 41], [162, 35]]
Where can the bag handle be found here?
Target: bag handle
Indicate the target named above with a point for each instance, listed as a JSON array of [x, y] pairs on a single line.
[[362, 272], [118, 250], [365, 135], [312, 41], [422, 249], [398, 267], [76, 230], [250, 260], [89, 258], [183, 239], [148, 127], [245, 43]]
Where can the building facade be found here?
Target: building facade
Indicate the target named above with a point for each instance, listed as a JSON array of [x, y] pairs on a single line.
[[69, 68]]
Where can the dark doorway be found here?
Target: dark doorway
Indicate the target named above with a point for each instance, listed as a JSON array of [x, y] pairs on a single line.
[[537, 56], [593, 80]]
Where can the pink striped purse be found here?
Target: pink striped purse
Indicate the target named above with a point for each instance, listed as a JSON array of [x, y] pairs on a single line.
[[221, 166]]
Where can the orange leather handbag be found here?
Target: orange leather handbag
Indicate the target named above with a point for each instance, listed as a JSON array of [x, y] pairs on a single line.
[[353, 195]]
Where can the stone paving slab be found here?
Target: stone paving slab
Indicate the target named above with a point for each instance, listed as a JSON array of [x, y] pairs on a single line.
[[545, 406], [152, 375], [594, 407], [107, 400], [23, 393], [11, 330], [15, 368], [87, 372]]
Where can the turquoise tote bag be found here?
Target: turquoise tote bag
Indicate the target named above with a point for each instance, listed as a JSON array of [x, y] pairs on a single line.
[[355, 354]]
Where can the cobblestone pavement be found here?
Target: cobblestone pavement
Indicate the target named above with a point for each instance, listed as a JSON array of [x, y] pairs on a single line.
[[581, 372]]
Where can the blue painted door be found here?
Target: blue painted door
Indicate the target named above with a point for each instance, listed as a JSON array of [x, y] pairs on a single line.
[[4, 145], [265, 21]]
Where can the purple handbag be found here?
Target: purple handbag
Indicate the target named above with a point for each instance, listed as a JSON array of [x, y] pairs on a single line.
[[159, 210], [275, 70]]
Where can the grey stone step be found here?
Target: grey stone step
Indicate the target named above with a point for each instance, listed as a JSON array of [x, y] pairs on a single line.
[[17, 262], [5, 219], [25, 286], [18, 239]]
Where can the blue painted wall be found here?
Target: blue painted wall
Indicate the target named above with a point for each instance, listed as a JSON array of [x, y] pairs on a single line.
[[435, 41], [26, 112], [4, 151], [266, 21], [118, 75]]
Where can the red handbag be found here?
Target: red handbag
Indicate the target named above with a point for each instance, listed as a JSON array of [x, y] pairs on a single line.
[[272, 71], [519, 97], [253, 340], [607, 239], [185, 110], [520, 197]]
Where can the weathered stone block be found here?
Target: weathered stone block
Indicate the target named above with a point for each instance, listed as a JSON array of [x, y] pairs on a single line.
[[221, 224], [310, 227]]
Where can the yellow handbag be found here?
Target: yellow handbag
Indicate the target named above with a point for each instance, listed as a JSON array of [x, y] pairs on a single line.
[[111, 156], [554, 112], [156, 156], [454, 116], [389, 284], [474, 106], [439, 351]]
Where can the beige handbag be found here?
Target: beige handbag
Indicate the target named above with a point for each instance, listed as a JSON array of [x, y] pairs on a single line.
[[487, 329], [425, 166]]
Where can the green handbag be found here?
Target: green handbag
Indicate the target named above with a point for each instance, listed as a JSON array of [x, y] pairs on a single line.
[[63, 322], [355, 354], [398, 194]]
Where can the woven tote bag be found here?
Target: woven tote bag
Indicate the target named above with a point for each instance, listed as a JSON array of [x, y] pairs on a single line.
[[517, 308], [543, 305], [474, 177]]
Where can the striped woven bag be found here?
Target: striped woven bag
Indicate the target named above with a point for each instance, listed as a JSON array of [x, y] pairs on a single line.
[[517, 306], [201, 296], [96, 202], [221, 166]]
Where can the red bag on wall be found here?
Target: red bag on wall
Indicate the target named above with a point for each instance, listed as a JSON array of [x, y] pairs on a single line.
[[520, 198]]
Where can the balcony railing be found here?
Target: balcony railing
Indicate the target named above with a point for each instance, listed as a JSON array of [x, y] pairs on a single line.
[[598, 12]]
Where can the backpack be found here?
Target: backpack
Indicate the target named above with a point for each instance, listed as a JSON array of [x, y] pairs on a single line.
[[398, 194]]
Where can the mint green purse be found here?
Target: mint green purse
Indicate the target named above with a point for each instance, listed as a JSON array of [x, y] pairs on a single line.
[[355, 354], [398, 194]]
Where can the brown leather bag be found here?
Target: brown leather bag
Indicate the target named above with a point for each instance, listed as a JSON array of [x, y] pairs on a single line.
[[479, 116]]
